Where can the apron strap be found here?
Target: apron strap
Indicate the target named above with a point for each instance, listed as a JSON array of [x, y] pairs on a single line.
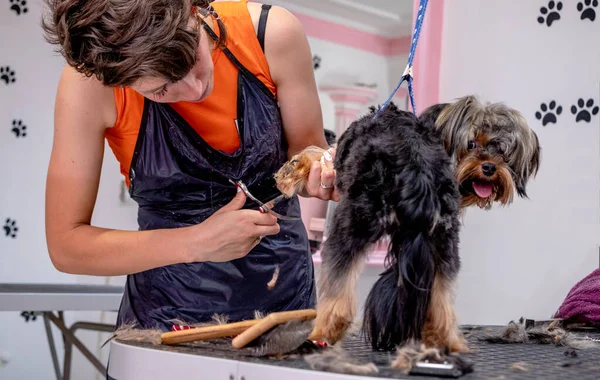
[[262, 25], [239, 65]]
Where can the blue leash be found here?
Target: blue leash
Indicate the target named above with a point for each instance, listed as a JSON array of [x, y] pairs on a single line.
[[407, 75]]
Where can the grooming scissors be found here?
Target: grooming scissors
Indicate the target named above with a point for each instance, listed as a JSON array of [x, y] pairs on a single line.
[[264, 208]]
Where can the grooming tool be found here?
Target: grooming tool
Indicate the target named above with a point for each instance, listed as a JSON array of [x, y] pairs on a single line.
[[207, 332], [269, 322], [436, 369], [264, 208]]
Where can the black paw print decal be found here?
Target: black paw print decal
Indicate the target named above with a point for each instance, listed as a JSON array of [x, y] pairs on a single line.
[[548, 113], [586, 8], [316, 62], [551, 13], [584, 110], [10, 228], [29, 315], [18, 6], [7, 75], [19, 129]]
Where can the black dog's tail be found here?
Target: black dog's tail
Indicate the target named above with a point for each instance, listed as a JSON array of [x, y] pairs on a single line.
[[396, 307]]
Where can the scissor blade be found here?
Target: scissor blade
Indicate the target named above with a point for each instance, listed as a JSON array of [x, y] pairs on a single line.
[[269, 205], [264, 207], [282, 217]]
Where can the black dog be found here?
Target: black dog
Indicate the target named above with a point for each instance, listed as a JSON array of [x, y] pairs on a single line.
[[408, 179], [394, 178]]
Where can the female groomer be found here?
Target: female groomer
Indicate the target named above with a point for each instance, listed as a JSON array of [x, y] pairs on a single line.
[[188, 97]]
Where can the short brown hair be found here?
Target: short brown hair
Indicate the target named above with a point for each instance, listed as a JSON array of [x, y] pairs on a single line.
[[120, 41]]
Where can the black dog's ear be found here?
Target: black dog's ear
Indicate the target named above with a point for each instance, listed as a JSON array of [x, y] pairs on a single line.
[[330, 136], [431, 113]]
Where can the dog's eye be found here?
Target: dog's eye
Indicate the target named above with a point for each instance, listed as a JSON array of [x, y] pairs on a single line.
[[471, 145]]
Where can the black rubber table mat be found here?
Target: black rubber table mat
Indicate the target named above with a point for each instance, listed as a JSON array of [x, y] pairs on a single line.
[[490, 360]]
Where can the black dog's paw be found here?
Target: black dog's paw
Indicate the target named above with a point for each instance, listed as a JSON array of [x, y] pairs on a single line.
[[584, 110], [19, 6], [551, 13], [548, 113], [586, 8], [7, 75], [29, 315], [10, 228], [18, 128], [316, 62]]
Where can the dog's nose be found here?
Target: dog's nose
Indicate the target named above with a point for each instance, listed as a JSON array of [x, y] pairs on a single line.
[[488, 168]]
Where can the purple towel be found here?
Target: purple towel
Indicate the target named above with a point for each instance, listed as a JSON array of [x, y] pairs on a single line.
[[583, 301]]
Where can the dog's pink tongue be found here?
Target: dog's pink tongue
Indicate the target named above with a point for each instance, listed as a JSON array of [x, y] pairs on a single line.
[[482, 189]]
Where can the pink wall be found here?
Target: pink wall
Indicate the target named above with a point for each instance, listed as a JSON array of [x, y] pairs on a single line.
[[352, 37], [427, 61], [426, 65]]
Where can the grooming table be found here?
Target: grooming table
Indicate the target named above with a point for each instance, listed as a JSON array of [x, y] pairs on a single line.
[[51, 300], [217, 360]]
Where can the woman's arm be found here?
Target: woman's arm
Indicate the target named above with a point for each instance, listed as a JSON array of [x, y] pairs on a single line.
[[84, 108], [290, 61]]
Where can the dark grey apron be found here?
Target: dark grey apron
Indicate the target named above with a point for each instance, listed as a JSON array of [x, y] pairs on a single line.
[[179, 180]]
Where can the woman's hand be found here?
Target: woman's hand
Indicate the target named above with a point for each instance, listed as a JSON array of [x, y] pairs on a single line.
[[321, 178], [230, 233]]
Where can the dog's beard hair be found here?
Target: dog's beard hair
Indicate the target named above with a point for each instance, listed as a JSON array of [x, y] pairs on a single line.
[[469, 170], [508, 135]]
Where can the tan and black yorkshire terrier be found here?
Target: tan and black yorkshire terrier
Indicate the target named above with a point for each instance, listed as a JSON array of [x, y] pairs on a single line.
[[409, 178]]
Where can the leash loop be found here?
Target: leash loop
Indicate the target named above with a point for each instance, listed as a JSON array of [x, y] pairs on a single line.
[[408, 71]]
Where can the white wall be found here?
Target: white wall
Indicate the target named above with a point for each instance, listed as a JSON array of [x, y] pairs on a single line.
[[343, 65], [523, 260], [24, 258]]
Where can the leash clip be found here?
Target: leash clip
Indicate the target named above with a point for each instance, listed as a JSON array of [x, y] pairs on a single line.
[[408, 71]]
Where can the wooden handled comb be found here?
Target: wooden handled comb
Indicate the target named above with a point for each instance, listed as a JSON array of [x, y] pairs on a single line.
[[207, 332], [269, 322]]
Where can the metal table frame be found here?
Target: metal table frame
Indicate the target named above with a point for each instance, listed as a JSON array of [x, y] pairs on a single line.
[[51, 301]]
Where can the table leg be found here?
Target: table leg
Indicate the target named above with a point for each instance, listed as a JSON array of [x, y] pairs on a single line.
[[100, 327], [68, 335], [52, 346]]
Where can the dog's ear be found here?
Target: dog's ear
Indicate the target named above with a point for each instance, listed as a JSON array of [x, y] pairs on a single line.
[[431, 113], [330, 137], [528, 165], [453, 121]]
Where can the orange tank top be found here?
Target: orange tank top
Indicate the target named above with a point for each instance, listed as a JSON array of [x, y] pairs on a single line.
[[214, 117]]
